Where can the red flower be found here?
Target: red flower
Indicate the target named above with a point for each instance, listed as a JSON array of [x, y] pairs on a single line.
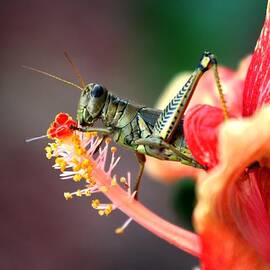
[[232, 216]]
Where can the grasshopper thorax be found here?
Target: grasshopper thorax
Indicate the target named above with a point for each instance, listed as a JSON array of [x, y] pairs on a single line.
[[91, 103]]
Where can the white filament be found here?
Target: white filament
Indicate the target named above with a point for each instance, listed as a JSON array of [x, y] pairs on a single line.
[[36, 138]]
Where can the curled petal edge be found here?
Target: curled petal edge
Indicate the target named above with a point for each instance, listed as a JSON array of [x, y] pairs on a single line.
[[201, 132], [241, 142]]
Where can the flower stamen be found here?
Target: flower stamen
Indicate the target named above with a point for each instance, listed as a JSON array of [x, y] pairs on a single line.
[[84, 157], [120, 230]]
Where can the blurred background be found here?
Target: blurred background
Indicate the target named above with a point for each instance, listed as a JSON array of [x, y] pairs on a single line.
[[133, 48]]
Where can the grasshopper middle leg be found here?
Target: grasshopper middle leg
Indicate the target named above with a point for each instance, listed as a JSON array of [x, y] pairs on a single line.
[[141, 160]]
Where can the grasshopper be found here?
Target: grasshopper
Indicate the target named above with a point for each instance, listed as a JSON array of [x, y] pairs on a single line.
[[143, 130]]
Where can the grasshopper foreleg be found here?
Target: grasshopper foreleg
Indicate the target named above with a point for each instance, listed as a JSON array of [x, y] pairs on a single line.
[[105, 131]]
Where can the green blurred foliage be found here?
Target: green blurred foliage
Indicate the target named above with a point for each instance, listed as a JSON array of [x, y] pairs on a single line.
[[183, 200], [172, 34]]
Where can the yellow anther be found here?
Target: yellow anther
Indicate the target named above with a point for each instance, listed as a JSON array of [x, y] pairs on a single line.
[[59, 161], [63, 166], [53, 146], [48, 155], [89, 181], [85, 164], [92, 182], [77, 177], [74, 160], [103, 189], [87, 193], [123, 180], [119, 230], [68, 195], [76, 168], [58, 141], [101, 212], [78, 193], [86, 176], [95, 203], [108, 140], [48, 149], [113, 182], [113, 149], [75, 139], [79, 150], [108, 209]]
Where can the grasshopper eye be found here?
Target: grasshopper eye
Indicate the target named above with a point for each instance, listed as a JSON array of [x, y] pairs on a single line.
[[97, 91]]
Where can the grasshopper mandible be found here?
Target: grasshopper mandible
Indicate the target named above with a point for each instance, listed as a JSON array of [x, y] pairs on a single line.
[[143, 130]]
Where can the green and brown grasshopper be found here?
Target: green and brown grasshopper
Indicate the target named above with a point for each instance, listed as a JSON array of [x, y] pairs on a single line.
[[143, 130]]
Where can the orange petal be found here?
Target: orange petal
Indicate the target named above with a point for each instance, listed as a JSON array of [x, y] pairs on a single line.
[[243, 67], [168, 170], [224, 243]]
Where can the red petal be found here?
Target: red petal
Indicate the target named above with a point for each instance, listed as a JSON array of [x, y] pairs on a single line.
[[256, 89], [242, 225], [55, 125], [61, 118], [249, 208], [232, 213], [62, 132], [70, 123], [51, 132], [224, 250], [60, 128], [201, 130]]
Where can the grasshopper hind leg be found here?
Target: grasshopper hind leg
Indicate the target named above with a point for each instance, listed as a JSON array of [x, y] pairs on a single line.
[[169, 120], [167, 124]]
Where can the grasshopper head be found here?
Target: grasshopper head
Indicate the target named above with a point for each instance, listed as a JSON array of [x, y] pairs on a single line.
[[91, 104]]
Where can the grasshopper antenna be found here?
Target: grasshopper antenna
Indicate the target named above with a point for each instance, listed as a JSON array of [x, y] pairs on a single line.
[[52, 76], [75, 69]]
